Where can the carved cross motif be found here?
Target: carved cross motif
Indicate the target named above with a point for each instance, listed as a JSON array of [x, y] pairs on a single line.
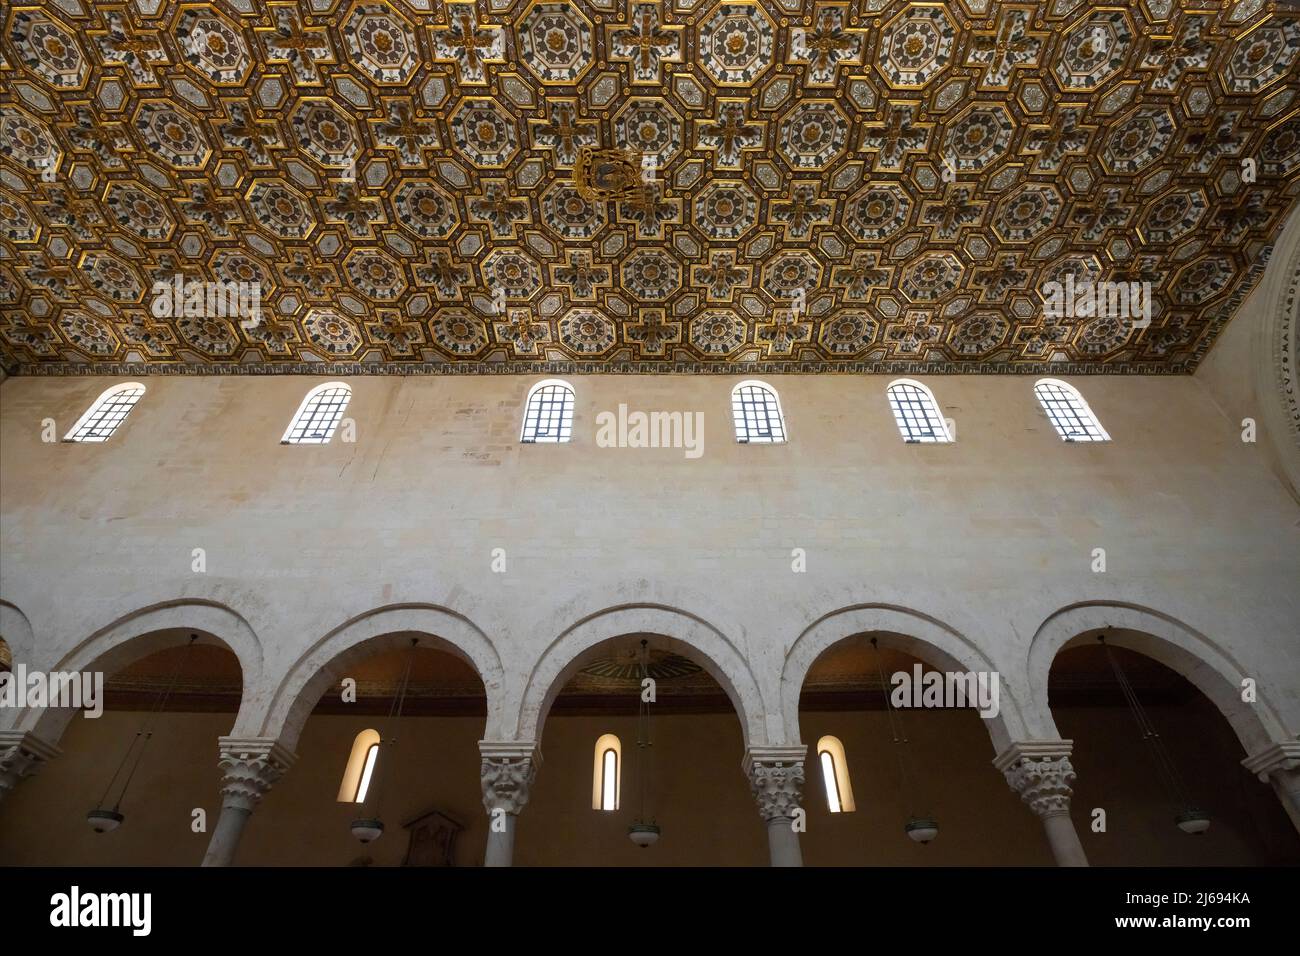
[[303, 48], [65, 209], [647, 44], [204, 207], [1054, 141], [860, 277], [784, 332], [467, 43], [315, 279], [997, 281], [580, 275], [721, 275], [824, 47], [356, 212], [1171, 57], [403, 131], [119, 45], [563, 132], [957, 209], [1096, 218], [647, 209], [498, 208], [653, 332], [896, 136], [103, 141], [252, 136], [1012, 46], [801, 212], [524, 333], [729, 133], [444, 275]]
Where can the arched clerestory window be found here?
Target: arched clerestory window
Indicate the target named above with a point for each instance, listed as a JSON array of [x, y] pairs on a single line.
[[108, 411], [835, 775], [757, 413], [548, 412], [917, 413], [360, 770], [318, 415], [607, 773], [1069, 412]]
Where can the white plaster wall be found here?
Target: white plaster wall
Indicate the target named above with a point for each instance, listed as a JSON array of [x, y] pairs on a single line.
[[978, 543]]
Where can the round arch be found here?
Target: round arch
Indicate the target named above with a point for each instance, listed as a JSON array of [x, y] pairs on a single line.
[[684, 634], [381, 629], [903, 629], [140, 634], [1167, 640]]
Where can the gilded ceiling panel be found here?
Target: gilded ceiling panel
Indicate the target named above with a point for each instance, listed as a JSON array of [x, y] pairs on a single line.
[[655, 185]]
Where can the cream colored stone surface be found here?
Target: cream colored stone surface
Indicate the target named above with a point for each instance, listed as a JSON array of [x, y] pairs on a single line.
[[979, 553]]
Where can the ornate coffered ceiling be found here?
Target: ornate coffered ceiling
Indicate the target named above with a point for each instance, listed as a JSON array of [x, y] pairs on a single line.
[[420, 185]]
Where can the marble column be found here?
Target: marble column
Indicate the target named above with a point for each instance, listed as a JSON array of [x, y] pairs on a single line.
[[1040, 771], [776, 778], [1280, 766], [22, 754], [250, 766], [506, 773]]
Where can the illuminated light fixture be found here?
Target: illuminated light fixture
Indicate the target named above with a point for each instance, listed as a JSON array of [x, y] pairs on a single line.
[[641, 833], [368, 829], [1189, 818], [920, 828], [103, 820]]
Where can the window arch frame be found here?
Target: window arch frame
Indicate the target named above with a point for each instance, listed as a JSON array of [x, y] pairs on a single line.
[[358, 773], [739, 416], [606, 744], [102, 408], [568, 406], [830, 748], [289, 439], [904, 422], [1079, 408]]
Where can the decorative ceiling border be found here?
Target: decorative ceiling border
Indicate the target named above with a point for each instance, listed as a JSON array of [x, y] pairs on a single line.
[[460, 368]]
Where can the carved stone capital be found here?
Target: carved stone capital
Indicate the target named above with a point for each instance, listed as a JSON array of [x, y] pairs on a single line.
[[1277, 759], [776, 779], [507, 772], [250, 766], [22, 754], [1041, 772]]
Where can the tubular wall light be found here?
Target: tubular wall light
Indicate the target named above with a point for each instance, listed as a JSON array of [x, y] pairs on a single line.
[[1189, 818], [101, 819], [920, 828], [369, 827]]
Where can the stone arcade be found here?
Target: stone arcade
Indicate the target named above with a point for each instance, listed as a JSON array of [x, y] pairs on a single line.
[[374, 576]]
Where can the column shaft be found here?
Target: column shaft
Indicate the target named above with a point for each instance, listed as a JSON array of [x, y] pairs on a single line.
[[501, 843], [783, 843], [226, 835]]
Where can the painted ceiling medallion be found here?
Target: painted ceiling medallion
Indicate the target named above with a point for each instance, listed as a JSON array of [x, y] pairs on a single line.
[[694, 185]]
